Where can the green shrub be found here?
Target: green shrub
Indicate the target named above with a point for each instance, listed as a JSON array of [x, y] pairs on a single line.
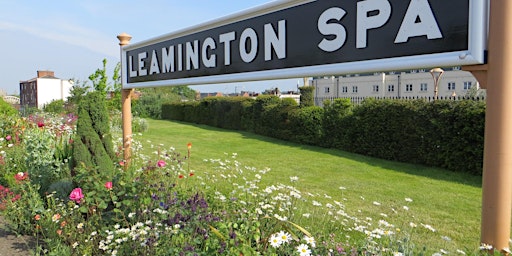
[[262, 102], [453, 135], [138, 124], [6, 108], [307, 96], [55, 107], [447, 134], [93, 146], [61, 188], [383, 128], [45, 157], [306, 125], [274, 120], [334, 123]]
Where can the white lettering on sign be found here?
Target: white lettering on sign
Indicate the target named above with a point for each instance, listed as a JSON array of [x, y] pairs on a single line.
[[419, 20], [248, 37], [274, 41], [142, 70], [226, 39], [168, 59], [133, 73], [209, 61], [366, 22], [327, 28], [191, 55], [212, 51], [180, 57], [154, 69]]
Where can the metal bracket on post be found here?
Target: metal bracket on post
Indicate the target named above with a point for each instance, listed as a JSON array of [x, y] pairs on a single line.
[[479, 72]]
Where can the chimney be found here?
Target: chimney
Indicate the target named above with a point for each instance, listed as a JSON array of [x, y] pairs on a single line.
[[45, 74]]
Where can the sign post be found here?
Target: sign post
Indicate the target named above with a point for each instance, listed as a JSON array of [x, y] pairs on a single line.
[[497, 173], [126, 102]]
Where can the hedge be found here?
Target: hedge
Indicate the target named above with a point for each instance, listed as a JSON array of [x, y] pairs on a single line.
[[445, 134]]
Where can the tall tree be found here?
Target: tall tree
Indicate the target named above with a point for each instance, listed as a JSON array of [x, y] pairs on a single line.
[[93, 146]]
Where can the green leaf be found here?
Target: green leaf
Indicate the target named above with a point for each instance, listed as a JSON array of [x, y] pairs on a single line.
[[217, 232], [127, 202], [102, 205]]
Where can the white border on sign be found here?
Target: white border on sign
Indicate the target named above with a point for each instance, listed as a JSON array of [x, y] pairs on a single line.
[[478, 27]]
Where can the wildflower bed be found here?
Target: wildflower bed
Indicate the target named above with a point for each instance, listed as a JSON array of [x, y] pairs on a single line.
[[162, 205]]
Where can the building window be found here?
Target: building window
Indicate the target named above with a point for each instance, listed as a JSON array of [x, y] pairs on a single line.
[[327, 89], [451, 86], [408, 87], [354, 89], [391, 88], [423, 87], [344, 89], [467, 85], [375, 88]]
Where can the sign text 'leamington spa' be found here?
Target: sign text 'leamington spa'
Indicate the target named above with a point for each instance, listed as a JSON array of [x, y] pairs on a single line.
[[340, 30]]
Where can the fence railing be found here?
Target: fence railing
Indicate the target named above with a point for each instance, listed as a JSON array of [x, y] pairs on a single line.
[[358, 100], [11, 99]]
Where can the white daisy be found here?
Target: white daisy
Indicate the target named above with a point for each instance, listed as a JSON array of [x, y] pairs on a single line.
[[275, 241], [304, 250]]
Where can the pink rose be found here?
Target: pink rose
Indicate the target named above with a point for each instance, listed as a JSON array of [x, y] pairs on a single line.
[[108, 185], [160, 163], [76, 195]]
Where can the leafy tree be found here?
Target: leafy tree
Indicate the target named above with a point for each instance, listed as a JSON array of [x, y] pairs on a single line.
[[99, 79], [101, 84], [474, 92], [115, 89], [150, 102], [183, 91], [77, 92]]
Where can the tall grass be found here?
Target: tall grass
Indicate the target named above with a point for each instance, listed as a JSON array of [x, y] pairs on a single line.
[[447, 202]]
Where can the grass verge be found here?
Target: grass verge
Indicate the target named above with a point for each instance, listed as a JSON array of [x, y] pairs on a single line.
[[373, 188]]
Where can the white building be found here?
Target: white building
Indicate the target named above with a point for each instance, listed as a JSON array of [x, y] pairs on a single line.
[[405, 84], [43, 89]]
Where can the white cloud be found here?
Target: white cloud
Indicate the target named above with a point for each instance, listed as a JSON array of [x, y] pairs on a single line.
[[69, 34]]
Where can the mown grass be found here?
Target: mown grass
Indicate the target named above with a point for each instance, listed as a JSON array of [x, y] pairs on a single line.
[[450, 202]]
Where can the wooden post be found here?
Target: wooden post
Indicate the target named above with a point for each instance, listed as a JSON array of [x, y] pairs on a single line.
[[497, 168], [126, 98]]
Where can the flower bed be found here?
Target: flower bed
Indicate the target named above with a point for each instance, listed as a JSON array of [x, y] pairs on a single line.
[[160, 205]]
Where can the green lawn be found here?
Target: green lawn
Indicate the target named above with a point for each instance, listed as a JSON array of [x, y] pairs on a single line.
[[449, 202]]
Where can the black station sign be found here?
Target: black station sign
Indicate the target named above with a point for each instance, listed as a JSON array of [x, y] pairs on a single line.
[[287, 39]]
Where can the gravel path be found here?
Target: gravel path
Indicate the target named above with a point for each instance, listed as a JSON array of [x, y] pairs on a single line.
[[11, 245]]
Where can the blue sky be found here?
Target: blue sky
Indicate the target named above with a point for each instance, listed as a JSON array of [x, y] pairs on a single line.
[[73, 37]]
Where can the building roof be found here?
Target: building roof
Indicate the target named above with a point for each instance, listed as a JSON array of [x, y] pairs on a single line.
[[42, 74]]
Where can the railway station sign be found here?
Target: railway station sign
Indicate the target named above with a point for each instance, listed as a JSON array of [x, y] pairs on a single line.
[[299, 38]]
